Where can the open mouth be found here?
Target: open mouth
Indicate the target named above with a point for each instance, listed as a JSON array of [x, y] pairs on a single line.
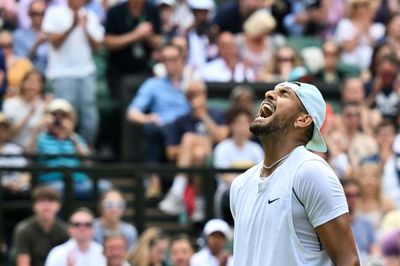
[[266, 110]]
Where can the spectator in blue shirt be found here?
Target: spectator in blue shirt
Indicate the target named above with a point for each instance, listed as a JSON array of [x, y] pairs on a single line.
[[59, 138], [31, 42], [159, 102]]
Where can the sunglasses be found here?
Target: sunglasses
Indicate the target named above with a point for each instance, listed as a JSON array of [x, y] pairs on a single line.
[[114, 204], [36, 14], [286, 59], [81, 224]]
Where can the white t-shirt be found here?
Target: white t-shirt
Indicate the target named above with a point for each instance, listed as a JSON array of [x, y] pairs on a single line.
[[275, 217], [361, 55], [58, 256], [16, 110], [74, 57], [205, 258], [218, 71], [227, 154]]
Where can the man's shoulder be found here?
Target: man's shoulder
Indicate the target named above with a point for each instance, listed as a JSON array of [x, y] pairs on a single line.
[[119, 8], [243, 178], [25, 226], [154, 82]]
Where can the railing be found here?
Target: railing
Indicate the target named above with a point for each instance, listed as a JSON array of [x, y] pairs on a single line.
[[116, 170]]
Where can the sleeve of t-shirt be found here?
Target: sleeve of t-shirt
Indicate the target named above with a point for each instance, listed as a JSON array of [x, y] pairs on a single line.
[[143, 97], [111, 21], [51, 21], [220, 158], [22, 242], [155, 20], [94, 27], [320, 191]]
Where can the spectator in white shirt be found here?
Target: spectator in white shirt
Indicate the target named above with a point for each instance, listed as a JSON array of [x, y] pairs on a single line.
[[227, 66], [80, 250], [74, 33], [217, 232]]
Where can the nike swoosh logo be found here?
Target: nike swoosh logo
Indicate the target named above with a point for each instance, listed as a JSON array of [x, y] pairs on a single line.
[[270, 201]]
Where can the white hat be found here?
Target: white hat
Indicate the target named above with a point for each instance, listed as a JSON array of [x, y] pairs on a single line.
[[314, 103], [217, 225], [260, 22], [166, 2], [201, 4], [62, 105]]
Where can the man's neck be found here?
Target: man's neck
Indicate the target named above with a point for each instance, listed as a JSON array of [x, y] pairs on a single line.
[[83, 245], [45, 224], [240, 142], [110, 224]]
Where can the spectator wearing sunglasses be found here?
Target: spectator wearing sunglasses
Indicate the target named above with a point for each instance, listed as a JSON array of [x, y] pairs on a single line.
[[80, 249], [31, 42], [112, 206]]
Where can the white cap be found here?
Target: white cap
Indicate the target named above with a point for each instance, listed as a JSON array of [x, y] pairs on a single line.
[[166, 2], [62, 105], [314, 103], [217, 225], [201, 4]]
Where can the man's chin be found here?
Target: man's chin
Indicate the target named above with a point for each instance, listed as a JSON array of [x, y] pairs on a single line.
[[257, 129]]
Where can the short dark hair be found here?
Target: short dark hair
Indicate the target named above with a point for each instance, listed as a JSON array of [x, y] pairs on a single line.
[[232, 113], [45, 193], [182, 236]]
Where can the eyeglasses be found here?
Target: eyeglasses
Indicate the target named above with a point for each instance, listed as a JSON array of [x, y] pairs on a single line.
[[360, 4], [36, 14], [108, 204], [82, 224], [331, 53], [171, 59], [352, 115], [285, 59]]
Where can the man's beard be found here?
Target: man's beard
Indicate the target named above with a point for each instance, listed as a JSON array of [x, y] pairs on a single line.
[[275, 126]]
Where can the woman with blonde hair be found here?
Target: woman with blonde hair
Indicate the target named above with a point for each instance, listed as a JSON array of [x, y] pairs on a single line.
[[357, 33], [372, 204], [112, 207], [285, 65], [151, 248], [257, 45]]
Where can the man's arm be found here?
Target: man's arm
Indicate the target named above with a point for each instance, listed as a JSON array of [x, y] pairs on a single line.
[[337, 238], [117, 42], [23, 260], [57, 39]]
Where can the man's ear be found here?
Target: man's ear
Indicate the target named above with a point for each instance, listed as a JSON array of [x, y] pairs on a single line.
[[303, 121]]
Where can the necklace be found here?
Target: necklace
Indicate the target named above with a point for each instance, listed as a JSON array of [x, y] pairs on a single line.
[[277, 162]]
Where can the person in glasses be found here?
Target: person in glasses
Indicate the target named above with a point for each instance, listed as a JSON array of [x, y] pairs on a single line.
[[112, 207], [80, 249], [31, 42], [35, 236]]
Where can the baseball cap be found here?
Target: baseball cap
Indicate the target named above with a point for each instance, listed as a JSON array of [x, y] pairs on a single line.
[[62, 105], [217, 225], [201, 4], [166, 2], [312, 100]]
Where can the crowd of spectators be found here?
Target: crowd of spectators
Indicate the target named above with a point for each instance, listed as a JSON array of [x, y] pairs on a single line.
[[49, 86]]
